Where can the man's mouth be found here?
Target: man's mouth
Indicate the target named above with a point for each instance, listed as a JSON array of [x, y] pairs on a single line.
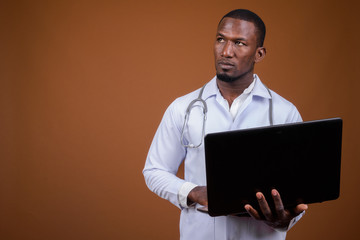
[[225, 65]]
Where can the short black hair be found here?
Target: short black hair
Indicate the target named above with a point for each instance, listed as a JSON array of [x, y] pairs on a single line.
[[249, 16]]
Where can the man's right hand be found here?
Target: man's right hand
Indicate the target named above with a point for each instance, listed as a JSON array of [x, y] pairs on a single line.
[[198, 195]]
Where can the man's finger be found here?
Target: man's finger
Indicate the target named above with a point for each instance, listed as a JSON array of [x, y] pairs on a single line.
[[300, 208], [252, 212], [279, 207], [264, 206]]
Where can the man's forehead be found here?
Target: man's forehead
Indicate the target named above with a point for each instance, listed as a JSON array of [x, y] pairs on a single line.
[[236, 26]]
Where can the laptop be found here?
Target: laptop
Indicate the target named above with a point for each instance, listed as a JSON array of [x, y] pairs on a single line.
[[300, 160]]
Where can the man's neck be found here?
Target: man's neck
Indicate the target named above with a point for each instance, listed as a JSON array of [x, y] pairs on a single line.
[[231, 90]]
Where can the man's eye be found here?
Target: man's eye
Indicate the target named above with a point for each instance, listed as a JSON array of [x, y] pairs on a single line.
[[240, 43], [220, 39]]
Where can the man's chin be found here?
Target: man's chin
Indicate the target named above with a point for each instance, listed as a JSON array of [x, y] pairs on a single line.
[[225, 78]]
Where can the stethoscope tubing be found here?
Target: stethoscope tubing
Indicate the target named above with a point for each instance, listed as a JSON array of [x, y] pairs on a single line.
[[205, 109]]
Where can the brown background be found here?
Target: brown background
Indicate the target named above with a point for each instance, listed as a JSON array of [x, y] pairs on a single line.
[[84, 84]]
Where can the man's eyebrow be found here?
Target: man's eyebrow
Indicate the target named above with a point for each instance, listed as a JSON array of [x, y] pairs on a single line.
[[236, 39], [241, 39]]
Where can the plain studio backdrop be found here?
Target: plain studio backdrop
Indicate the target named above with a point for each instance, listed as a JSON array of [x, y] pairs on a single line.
[[84, 85]]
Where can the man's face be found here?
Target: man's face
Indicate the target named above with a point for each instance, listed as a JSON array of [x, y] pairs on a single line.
[[235, 49]]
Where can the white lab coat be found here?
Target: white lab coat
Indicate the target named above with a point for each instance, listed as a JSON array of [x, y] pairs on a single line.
[[166, 154]]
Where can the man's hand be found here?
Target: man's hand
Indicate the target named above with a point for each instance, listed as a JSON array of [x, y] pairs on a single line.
[[278, 219], [198, 195]]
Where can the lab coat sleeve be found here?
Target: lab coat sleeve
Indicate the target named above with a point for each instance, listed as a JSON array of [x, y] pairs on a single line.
[[292, 223], [164, 158]]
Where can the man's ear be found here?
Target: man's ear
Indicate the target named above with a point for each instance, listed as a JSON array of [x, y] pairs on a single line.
[[260, 54]]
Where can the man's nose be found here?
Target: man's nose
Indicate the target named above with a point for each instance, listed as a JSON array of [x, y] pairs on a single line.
[[227, 51]]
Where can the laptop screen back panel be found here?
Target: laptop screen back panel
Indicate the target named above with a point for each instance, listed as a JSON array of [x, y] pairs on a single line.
[[301, 161]]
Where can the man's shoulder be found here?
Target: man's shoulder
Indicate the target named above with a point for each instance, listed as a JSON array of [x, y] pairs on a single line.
[[185, 100], [263, 91], [284, 110], [178, 106], [280, 100]]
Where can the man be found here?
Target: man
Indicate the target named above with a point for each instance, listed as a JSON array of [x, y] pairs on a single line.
[[235, 99]]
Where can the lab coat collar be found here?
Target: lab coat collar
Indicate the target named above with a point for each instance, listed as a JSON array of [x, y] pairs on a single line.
[[260, 90]]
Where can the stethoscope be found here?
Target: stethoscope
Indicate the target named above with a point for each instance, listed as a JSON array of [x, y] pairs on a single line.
[[203, 105]]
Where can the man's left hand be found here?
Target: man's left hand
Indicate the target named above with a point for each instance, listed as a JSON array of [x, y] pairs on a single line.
[[281, 217]]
